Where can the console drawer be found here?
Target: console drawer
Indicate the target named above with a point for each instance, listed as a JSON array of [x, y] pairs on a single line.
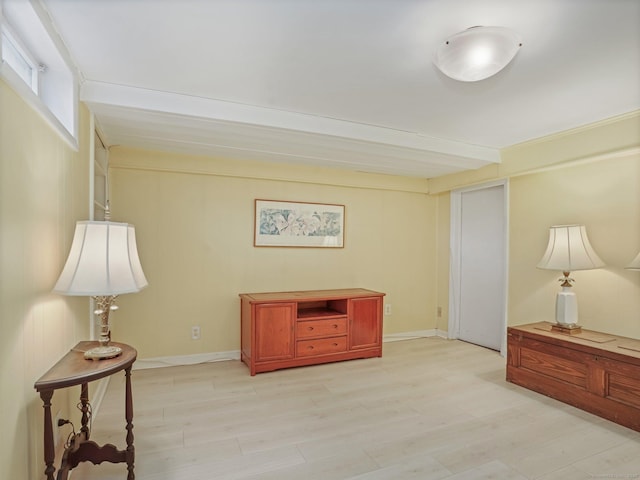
[[321, 328], [321, 346]]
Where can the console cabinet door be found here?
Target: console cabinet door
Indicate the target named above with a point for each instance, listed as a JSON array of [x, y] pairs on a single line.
[[365, 322], [274, 331]]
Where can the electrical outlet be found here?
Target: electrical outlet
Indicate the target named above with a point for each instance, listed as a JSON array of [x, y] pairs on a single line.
[[195, 332], [387, 309], [56, 428]]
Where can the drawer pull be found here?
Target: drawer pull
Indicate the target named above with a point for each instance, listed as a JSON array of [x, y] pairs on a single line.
[[335, 344], [310, 328], [310, 347], [335, 325]]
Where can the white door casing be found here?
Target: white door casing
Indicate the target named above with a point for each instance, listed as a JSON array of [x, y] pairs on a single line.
[[479, 265]]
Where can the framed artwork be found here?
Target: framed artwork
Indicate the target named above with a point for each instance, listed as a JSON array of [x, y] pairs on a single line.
[[298, 224]]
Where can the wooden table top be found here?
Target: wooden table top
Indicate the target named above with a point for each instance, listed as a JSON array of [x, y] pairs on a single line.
[[311, 295], [589, 339], [74, 369]]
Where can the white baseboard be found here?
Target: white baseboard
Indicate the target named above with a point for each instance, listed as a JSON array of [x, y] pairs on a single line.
[[396, 337], [442, 333], [177, 360]]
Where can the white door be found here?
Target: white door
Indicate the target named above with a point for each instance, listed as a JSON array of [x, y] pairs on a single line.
[[480, 256]]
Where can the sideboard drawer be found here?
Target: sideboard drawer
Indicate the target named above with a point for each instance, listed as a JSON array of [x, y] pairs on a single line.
[[321, 328], [321, 346]]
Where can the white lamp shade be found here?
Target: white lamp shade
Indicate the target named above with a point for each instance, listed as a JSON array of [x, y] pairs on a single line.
[[569, 250], [103, 261], [477, 53], [635, 264]]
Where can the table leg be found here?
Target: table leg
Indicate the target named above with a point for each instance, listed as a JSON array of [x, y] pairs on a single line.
[[84, 408], [49, 447], [129, 417]]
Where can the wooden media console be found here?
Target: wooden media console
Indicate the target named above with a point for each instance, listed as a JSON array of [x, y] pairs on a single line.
[[292, 329]]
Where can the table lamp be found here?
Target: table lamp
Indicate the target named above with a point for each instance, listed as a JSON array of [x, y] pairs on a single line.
[[103, 263], [568, 250]]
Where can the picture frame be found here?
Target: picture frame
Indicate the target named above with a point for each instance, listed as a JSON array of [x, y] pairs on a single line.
[[280, 223]]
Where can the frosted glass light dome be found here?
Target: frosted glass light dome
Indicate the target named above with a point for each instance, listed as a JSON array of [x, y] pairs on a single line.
[[477, 53]]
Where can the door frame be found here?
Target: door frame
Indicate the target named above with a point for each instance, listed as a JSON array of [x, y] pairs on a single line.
[[454, 259]]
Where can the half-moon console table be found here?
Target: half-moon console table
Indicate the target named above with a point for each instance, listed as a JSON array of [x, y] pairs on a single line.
[[74, 369], [292, 329]]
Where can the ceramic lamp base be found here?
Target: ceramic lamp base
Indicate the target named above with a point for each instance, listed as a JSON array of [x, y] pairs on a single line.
[[566, 308], [566, 329]]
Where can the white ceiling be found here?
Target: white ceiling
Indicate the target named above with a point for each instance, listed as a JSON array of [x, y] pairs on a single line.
[[345, 83]]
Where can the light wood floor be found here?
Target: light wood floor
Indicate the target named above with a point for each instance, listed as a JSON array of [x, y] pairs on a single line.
[[429, 409]]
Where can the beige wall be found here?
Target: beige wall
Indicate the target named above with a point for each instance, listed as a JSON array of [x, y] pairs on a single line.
[[591, 176], [194, 225], [44, 190], [605, 197], [443, 227], [194, 218]]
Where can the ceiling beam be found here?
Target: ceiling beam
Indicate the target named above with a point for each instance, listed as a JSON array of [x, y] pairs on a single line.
[[222, 111]]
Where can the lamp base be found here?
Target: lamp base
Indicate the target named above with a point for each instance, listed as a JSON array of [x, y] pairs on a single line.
[[566, 307], [572, 329], [102, 352]]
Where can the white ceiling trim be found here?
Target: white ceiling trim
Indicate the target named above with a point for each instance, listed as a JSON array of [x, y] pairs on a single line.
[[221, 111], [171, 132]]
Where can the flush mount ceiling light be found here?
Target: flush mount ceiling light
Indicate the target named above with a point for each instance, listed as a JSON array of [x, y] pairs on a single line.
[[477, 53]]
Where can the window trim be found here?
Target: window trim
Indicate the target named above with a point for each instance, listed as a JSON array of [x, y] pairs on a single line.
[[63, 82], [8, 37]]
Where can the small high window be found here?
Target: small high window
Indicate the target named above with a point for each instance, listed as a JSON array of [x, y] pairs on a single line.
[[19, 60], [36, 65]]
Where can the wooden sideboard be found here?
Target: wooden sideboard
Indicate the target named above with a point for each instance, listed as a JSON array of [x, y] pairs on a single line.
[[594, 371], [293, 329]]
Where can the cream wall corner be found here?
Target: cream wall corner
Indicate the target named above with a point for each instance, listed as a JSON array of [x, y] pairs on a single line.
[[605, 197], [443, 229], [589, 175], [44, 189]]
